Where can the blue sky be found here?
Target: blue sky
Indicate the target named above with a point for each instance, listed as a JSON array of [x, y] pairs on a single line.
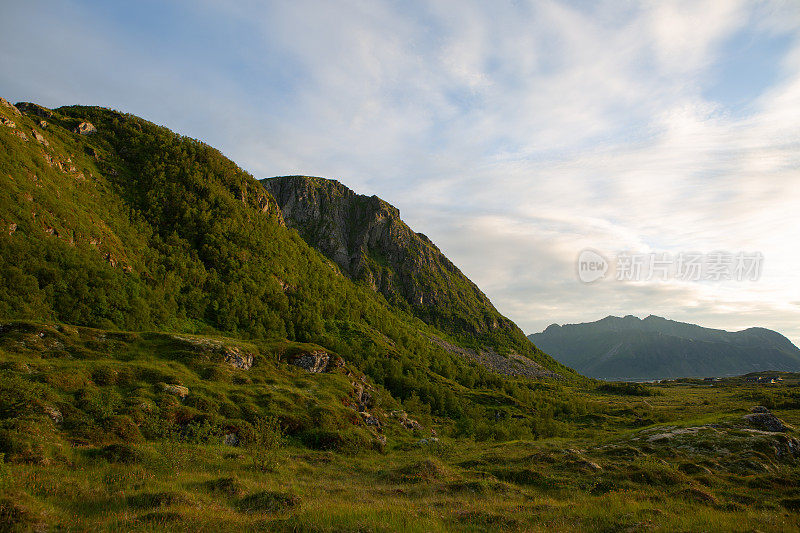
[[514, 134]]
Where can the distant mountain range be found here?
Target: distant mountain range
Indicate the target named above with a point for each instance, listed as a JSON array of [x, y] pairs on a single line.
[[630, 348]]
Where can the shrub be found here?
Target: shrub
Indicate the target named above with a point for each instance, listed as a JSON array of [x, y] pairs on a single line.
[[121, 453], [123, 427], [626, 388], [230, 486], [31, 441], [268, 501], [264, 442]]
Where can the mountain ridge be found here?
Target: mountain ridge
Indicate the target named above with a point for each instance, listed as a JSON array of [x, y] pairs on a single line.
[[369, 241], [112, 222], [655, 348]]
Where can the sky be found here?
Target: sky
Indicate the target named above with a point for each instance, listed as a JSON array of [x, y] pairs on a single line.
[[514, 134]]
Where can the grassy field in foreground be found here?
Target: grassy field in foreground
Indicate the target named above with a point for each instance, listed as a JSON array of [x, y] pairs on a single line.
[[460, 485], [94, 437]]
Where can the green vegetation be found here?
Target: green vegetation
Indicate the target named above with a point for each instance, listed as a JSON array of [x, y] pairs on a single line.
[[138, 228], [95, 435], [173, 357]]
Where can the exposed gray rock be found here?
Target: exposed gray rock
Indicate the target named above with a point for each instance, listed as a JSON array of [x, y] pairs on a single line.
[[365, 399], [231, 439], [177, 390], [85, 128], [405, 421], [54, 414], [39, 137], [759, 409], [315, 361], [367, 239], [766, 421], [7, 122], [238, 358], [7, 104], [235, 356], [370, 419]]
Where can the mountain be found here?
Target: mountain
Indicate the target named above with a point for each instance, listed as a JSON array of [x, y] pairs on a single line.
[[109, 221], [630, 348], [366, 237]]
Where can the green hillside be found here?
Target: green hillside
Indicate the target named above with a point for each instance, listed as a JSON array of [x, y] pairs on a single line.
[[369, 241], [134, 227], [175, 356]]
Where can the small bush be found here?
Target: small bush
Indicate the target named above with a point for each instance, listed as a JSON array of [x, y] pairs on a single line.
[[625, 388], [349, 441], [151, 500], [229, 486], [268, 501], [264, 442], [124, 427], [436, 447], [31, 441], [121, 453]]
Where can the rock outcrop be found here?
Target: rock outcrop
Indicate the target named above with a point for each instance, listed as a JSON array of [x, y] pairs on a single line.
[[40, 138], [30, 108], [5, 103], [317, 361], [85, 128], [366, 238], [761, 418], [406, 421], [232, 355], [177, 390]]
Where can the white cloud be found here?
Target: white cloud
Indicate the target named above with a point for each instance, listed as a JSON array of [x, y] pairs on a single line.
[[514, 135]]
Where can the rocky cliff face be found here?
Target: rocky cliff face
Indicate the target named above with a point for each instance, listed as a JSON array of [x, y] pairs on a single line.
[[367, 239]]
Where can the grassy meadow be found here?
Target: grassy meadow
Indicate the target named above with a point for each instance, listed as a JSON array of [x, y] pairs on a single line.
[[94, 438]]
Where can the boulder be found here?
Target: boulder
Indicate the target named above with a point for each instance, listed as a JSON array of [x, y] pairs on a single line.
[[370, 420], [761, 418], [39, 137], [317, 361], [238, 358], [54, 414], [405, 421], [178, 390], [231, 439], [7, 123], [767, 422], [85, 128]]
